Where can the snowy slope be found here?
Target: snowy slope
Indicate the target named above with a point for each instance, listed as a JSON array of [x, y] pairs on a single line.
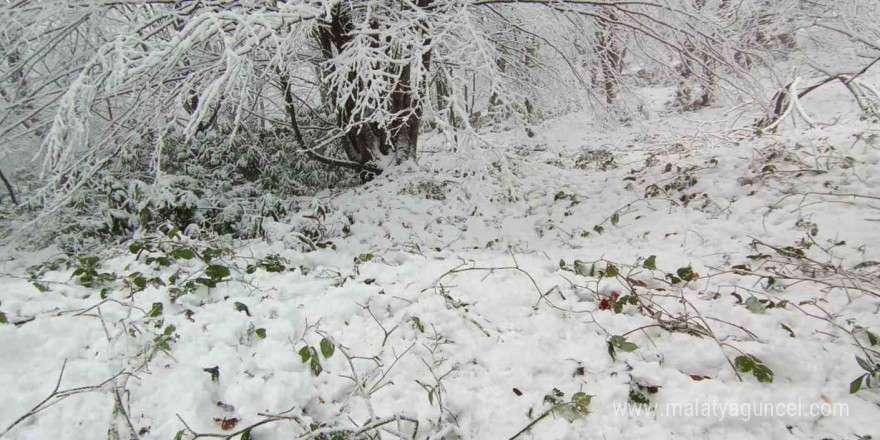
[[453, 297]]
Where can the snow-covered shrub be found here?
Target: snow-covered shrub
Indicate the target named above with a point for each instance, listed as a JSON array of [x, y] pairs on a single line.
[[215, 184]]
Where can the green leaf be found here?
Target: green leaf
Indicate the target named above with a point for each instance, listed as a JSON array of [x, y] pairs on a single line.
[[169, 330], [179, 435], [581, 402], [214, 372], [872, 338], [685, 273], [207, 282], [431, 397], [611, 271], [417, 323], [650, 263], [611, 351], [174, 230], [246, 435], [241, 307], [315, 365], [327, 348], [156, 310], [183, 253], [209, 254], [140, 282], [562, 264], [856, 385], [363, 258], [135, 247], [3, 319], [763, 373], [638, 398], [615, 219], [305, 353], [217, 272], [865, 365], [261, 333], [621, 343], [598, 229], [744, 363]]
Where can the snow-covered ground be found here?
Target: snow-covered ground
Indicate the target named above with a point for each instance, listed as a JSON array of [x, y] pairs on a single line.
[[468, 294]]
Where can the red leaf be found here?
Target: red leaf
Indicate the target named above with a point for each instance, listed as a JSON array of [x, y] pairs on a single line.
[[227, 424], [604, 304], [614, 296]]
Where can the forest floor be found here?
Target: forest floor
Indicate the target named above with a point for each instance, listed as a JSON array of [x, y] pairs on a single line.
[[724, 282]]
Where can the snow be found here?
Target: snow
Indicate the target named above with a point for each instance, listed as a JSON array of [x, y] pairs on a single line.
[[527, 324]]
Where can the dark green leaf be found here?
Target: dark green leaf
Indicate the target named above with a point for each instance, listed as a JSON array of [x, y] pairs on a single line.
[[179, 435], [246, 435], [261, 333], [305, 353], [417, 323], [650, 263], [316, 366], [615, 219], [685, 273], [611, 271], [135, 247], [3, 319], [241, 307], [217, 272], [156, 310], [327, 348], [183, 253], [763, 373], [638, 398], [214, 372], [744, 363], [856, 385], [208, 282]]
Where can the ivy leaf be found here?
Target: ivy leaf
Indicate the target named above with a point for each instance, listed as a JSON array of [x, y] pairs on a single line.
[[261, 333], [856, 385], [327, 348], [156, 310], [685, 273], [615, 219], [650, 263], [217, 272], [214, 372]]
